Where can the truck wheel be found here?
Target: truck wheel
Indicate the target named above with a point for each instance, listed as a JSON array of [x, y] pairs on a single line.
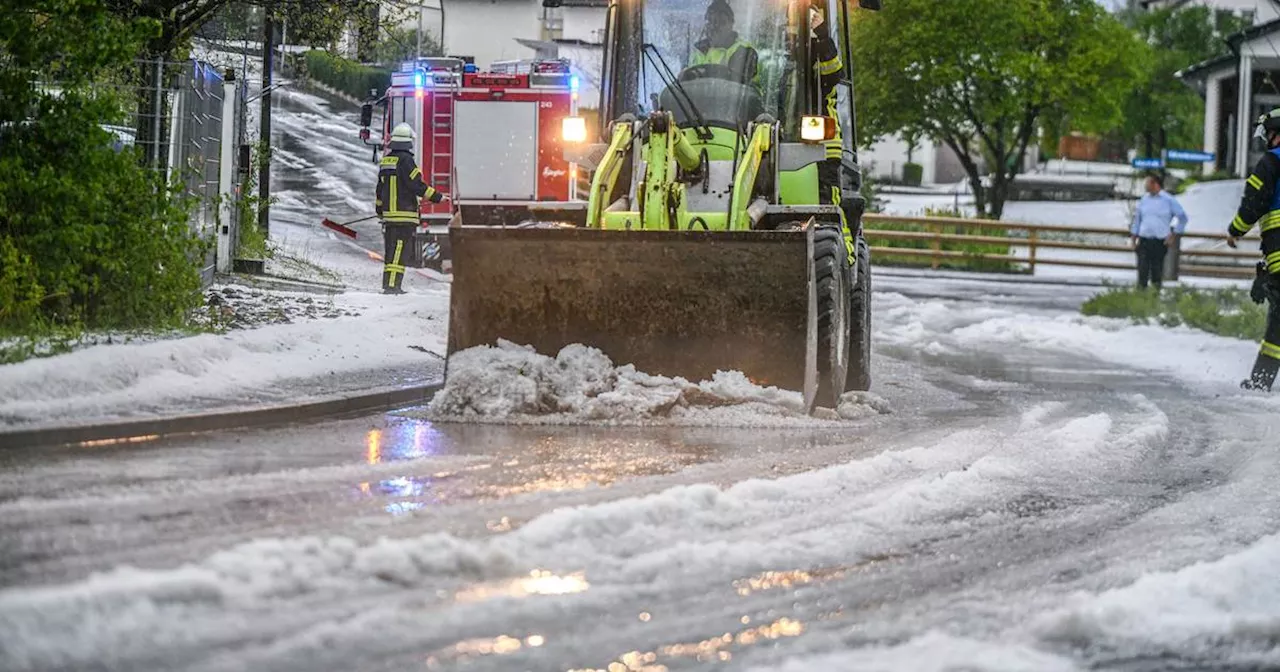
[[859, 378], [831, 270]]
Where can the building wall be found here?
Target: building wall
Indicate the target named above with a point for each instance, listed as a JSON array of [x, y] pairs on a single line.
[[884, 160], [584, 23], [487, 30], [1263, 10]]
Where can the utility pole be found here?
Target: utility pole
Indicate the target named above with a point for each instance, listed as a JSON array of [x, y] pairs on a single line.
[[264, 135]]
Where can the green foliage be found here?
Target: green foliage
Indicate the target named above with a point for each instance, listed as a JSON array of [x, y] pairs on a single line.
[[871, 195], [1216, 176], [1175, 38], [912, 174], [1225, 312], [971, 263], [400, 44], [347, 76], [87, 236], [979, 75]]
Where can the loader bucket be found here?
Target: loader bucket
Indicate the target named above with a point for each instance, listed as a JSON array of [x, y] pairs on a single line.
[[673, 303]]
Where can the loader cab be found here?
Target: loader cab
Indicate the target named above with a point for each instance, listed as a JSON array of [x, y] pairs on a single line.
[[656, 58]]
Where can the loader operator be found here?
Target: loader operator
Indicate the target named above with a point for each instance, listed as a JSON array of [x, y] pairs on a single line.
[[830, 68], [1261, 205], [721, 45], [400, 186]]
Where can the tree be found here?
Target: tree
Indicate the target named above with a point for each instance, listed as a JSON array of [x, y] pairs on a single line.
[[979, 76], [1175, 38], [87, 236]]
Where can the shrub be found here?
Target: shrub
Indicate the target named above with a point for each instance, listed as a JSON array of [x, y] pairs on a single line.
[[349, 77], [1216, 176], [1225, 312], [87, 235], [912, 174]]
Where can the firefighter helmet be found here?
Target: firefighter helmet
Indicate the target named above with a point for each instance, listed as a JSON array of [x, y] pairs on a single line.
[[1268, 126], [403, 133]]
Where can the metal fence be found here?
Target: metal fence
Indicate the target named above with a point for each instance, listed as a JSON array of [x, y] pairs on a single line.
[[187, 119]]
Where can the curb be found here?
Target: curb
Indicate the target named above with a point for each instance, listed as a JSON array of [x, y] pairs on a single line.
[[129, 431]]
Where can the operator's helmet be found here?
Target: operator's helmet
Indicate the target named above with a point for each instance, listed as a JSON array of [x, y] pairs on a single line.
[[1268, 126], [719, 9], [403, 133]]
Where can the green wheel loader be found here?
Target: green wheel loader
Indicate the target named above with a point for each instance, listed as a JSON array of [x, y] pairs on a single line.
[[723, 226]]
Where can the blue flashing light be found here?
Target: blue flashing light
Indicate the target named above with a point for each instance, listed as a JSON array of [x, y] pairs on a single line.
[[573, 82], [418, 80], [470, 68]]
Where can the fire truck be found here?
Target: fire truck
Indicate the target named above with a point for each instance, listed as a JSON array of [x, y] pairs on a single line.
[[493, 140]]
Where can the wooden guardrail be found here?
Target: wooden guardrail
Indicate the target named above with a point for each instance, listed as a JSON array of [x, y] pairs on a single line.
[[938, 232]]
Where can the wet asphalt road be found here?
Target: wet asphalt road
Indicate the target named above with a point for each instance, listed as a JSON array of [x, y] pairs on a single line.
[[1006, 483], [1049, 477]]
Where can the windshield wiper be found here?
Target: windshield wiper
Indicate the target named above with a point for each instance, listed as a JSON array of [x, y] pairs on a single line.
[[671, 82]]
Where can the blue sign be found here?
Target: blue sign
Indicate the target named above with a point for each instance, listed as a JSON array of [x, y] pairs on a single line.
[[1189, 156], [1148, 163]]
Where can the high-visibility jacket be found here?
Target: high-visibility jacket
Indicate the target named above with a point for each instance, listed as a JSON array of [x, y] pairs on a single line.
[[1260, 205], [739, 57], [830, 68], [400, 186]]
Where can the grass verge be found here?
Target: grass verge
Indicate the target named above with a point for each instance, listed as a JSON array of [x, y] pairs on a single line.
[[1225, 312]]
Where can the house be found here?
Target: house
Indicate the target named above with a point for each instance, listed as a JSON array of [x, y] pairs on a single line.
[[1237, 87], [502, 30], [1260, 11]]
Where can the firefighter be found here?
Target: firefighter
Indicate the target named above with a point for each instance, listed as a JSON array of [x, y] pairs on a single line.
[[721, 45], [1261, 205], [400, 185], [830, 68]]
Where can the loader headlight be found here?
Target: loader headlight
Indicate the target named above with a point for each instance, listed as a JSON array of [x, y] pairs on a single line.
[[573, 129], [817, 129]]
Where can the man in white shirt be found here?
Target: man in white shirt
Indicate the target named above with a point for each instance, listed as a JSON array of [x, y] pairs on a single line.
[[1153, 231]]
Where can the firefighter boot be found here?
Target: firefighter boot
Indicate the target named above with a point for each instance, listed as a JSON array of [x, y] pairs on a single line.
[[1264, 374]]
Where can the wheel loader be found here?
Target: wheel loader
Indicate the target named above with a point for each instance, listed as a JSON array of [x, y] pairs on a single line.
[[706, 242]]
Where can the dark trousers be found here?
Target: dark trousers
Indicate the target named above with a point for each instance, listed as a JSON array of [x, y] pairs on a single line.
[[829, 182], [398, 237], [1268, 362], [1151, 252]]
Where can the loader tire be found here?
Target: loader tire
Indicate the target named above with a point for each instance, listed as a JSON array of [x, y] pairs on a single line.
[[859, 378], [831, 271]]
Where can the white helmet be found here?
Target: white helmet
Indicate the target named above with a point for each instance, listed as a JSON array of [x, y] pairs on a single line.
[[403, 133]]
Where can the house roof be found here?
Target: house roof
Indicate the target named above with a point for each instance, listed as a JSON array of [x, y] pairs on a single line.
[[1253, 32], [1203, 69]]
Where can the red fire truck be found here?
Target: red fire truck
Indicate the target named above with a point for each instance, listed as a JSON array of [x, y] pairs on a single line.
[[492, 140]]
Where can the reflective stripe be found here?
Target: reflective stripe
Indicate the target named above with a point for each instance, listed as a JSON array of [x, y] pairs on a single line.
[[1273, 262], [414, 175], [392, 185], [395, 268], [1270, 350], [830, 67], [399, 216], [389, 161], [1255, 181], [1270, 221], [1239, 226]]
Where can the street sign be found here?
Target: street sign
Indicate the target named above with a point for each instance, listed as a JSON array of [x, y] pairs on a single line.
[[1148, 163], [1190, 156]]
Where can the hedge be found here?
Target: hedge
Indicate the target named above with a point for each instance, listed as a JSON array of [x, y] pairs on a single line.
[[349, 77]]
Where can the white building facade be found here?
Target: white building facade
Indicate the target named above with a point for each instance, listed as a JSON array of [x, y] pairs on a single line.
[[1238, 87]]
